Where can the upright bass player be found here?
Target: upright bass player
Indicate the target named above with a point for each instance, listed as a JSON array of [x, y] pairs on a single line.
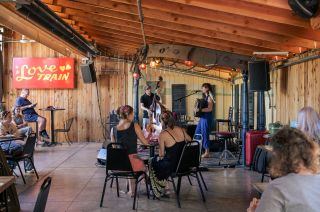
[[205, 124]]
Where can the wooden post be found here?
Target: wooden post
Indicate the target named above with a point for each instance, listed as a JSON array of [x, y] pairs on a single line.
[[245, 114], [136, 94]]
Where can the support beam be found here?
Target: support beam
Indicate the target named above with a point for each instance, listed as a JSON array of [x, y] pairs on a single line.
[[201, 56], [13, 21], [245, 114], [136, 95], [261, 111]]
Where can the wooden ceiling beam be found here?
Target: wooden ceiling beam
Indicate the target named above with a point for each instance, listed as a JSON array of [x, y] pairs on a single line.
[[62, 15], [55, 8], [192, 26], [47, 1], [270, 3], [69, 21], [183, 42], [166, 38], [248, 9], [122, 25], [183, 11]]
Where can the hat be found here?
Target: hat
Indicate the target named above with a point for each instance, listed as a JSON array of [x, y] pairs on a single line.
[[146, 87]]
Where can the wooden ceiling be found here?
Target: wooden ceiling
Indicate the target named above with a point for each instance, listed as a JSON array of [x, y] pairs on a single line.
[[240, 26]]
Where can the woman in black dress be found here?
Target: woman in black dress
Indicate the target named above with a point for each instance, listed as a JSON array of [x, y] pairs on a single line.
[[171, 142]]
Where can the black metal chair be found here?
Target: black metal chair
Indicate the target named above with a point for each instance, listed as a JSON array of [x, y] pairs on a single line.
[[188, 166], [65, 130], [27, 154], [119, 166], [41, 203]]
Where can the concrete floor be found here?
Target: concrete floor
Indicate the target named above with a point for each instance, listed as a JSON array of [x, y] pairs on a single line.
[[77, 185]]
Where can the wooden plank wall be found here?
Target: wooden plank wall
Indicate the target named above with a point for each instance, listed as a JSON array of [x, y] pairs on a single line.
[[223, 90], [80, 102], [295, 87]]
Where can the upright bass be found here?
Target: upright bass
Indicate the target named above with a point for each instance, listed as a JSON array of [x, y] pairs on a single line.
[[156, 108]]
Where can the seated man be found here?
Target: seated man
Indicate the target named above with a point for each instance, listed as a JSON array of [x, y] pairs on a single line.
[[12, 147], [29, 113], [20, 123]]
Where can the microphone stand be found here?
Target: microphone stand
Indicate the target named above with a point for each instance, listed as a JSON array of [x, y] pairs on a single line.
[[180, 100]]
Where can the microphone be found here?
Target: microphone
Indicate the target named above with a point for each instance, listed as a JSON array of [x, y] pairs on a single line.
[[197, 91]]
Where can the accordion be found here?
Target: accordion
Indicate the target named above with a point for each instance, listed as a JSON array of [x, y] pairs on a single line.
[[199, 104]]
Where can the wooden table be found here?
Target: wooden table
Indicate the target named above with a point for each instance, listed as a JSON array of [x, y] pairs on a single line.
[[5, 183], [9, 138], [52, 110], [260, 187]]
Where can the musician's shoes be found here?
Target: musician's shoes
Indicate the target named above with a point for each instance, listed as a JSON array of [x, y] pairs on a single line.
[[205, 155], [44, 134]]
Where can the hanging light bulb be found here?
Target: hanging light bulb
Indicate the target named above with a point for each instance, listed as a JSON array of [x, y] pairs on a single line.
[[135, 75], [142, 66], [157, 60], [188, 63], [153, 64]]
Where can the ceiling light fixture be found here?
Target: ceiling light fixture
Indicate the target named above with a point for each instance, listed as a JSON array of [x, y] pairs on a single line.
[[271, 53]]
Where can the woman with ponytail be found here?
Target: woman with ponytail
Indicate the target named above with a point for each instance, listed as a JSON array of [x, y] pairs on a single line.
[[171, 142], [127, 132]]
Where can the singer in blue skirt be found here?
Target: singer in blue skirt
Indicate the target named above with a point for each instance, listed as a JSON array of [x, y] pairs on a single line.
[[205, 124]]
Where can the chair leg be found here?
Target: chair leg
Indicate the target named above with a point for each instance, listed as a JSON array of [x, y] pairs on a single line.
[[189, 180], [24, 180], [117, 182], [204, 183], [262, 178], [203, 198], [67, 138], [175, 191], [147, 187], [135, 195], [111, 182], [179, 185], [103, 191], [34, 168]]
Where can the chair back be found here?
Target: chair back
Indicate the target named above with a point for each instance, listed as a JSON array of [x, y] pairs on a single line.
[[117, 158], [30, 144], [68, 124], [189, 157], [40, 205], [199, 138]]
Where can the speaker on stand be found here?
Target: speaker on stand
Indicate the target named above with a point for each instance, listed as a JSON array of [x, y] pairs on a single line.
[[259, 80], [88, 73]]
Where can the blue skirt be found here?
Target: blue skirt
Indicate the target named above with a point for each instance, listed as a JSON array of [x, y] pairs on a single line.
[[31, 117], [204, 128]]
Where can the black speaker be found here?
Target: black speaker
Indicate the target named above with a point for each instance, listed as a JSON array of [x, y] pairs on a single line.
[[304, 8], [259, 78], [88, 73]]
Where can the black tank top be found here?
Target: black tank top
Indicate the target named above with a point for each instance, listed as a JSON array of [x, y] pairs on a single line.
[[173, 153], [128, 138]]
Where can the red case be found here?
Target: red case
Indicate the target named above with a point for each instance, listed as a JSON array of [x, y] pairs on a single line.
[[254, 138]]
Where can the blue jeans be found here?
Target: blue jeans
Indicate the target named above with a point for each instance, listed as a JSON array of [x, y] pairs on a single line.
[[25, 131]]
